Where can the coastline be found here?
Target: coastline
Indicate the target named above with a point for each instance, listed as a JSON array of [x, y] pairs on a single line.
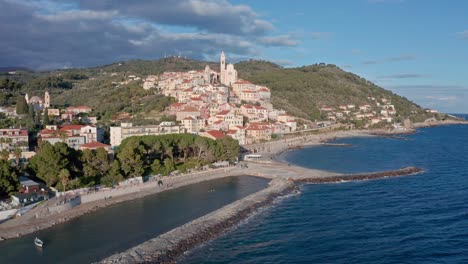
[[281, 172], [169, 247]]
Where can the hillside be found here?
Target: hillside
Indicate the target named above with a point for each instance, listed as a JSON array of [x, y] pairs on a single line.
[[300, 91]]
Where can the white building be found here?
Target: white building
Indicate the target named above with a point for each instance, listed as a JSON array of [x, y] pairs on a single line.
[[228, 74], [125, 130]]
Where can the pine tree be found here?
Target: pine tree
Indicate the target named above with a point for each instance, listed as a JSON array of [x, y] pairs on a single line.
[[21, 106]]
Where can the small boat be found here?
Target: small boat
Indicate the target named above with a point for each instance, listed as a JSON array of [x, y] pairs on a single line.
[[38, 242]]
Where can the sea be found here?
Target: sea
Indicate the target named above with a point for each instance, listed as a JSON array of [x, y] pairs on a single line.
[[420, 218], [116, 228]]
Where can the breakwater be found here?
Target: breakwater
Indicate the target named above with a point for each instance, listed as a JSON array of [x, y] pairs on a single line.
[[168, 247], [363, 176]]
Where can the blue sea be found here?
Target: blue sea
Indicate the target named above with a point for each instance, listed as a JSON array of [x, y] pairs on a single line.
[[415, 219]]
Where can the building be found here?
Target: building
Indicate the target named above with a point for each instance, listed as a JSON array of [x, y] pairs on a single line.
[[257, 132], [238, 133], [228, 74], [194, 124], [28, 185], [125, 130], [73, 135], [186, 112], [79, 109], [14, 138], [213, 134], [96, 145], [38, 103]]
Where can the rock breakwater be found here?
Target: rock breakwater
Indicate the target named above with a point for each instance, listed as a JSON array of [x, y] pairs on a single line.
[[167, 248], [362, 176]]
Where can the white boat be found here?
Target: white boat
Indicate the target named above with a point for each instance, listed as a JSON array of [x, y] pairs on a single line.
[[38, 242]]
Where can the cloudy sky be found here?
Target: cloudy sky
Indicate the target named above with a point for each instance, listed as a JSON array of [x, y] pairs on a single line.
[[417, 48]]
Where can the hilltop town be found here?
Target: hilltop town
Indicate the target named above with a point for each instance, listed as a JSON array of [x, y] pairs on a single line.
[[212, 112]]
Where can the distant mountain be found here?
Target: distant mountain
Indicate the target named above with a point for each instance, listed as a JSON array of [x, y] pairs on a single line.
[[14, 68]]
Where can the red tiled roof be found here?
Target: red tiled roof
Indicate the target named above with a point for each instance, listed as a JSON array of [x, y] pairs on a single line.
[[176, 104], [22, 132], [189, 109], [71, 127], [225, 112], [216, 134], [242, 82], [94, 145]]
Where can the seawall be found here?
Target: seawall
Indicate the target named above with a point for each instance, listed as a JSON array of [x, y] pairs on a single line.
[[168, 247]]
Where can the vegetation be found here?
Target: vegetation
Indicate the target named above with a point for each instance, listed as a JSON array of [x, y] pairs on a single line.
[[65, 168], [9, 182], [304, 90], [301, 91], [167, 153]]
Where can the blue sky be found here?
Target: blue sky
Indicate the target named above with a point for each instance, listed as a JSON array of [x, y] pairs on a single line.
[[416, 48]]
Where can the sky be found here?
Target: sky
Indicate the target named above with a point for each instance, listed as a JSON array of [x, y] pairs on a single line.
[[415, 48]]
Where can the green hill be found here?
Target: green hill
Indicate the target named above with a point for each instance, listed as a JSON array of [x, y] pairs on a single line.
[[300, 91]]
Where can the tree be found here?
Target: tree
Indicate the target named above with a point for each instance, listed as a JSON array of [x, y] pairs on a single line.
[[9, 182], [131, 158], [46, 120], [4, 155], [18, 154], [113, 176], [64, 177], [51, 159], [21, 106]]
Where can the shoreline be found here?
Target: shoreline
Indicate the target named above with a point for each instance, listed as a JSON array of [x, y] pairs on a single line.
[[170, 246], [9, 230]]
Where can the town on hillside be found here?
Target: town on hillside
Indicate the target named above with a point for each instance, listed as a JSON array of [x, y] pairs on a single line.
[[207, 103]]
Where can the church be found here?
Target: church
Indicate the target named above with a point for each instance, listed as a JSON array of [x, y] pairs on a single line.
[[37, 102], [228, 74]]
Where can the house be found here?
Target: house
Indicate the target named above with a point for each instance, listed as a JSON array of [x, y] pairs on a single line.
[[79, 109], [28, 185], [240, 85], [248, 95], [213, 134], [53, 112], [194, 124], [257, 132], [186, 112], [237, 134], [228, 117], [14, 138], [96, 145], [73, 135]]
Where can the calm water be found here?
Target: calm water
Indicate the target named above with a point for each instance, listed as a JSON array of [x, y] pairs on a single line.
[[116, 228], [416, 219]]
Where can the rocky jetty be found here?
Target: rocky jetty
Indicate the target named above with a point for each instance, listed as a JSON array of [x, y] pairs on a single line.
[[167, 248], [362, 176]]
